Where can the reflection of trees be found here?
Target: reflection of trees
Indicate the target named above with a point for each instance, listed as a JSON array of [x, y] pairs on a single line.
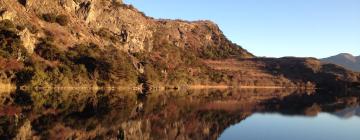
[[170, 115], [311, 105]]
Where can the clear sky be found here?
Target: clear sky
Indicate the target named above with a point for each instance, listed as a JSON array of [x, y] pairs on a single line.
[[273, 28]]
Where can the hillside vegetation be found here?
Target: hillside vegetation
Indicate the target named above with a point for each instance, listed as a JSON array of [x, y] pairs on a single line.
[[105, 43]]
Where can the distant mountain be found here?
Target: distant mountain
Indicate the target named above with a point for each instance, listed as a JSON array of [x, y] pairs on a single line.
[[348, 112], [346, 60]]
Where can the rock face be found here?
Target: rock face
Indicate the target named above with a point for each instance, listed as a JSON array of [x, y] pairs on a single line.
[[28, 40], [133, 31], [6, 15], [346, 60], [109, 43]]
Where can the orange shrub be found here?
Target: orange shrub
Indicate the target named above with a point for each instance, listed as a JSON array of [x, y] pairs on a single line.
[[10, 64]]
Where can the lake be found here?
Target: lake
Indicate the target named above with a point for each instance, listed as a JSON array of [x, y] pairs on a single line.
[[248, 114], [281, 127]]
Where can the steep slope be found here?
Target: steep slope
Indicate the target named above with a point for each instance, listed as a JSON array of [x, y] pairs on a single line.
[[346, 60], [109, 22], [108, 43], [52, 28]]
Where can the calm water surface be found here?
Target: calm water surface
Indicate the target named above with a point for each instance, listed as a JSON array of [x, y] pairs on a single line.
[[324, 126], [180, 115]]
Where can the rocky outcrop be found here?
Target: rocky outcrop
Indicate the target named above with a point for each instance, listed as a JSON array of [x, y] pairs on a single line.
[[6, 15], [28, 40], [132, 30]]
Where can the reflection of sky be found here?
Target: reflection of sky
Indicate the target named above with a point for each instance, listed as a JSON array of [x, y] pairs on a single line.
[[278, 127]]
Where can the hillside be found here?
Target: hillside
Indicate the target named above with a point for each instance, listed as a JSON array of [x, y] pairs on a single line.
[[346, 60], [108, 43]]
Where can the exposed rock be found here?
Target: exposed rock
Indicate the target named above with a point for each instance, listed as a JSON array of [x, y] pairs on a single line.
[[28, 40], [85, 11], [124, 35], [4, 14]]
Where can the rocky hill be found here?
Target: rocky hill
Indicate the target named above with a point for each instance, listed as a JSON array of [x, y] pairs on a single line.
[[346, 60], [109, 43]]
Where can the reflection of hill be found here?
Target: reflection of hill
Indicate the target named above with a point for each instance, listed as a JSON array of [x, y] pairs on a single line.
[[311, 105], [346, 60], [170, 115], [348, 112]]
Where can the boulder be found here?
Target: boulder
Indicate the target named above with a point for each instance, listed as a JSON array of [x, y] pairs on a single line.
[[28, 40]]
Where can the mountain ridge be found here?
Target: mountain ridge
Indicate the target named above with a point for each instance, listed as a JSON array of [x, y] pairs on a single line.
[[346, 60], [106, 43]]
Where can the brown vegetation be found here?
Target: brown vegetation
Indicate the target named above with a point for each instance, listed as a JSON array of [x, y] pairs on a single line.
[[113, 44], [62, 19]]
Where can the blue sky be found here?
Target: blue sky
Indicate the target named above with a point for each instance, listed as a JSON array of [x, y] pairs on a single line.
[[273, 28]]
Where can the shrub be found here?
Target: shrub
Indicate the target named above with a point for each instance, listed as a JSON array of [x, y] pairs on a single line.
[[7, 24], [10, 64], [10, 43], [24, 76], [49, 17], [120, 67], [33, 29], [63, 20], [48, 51], [217, 77], [105, 33], [89, 50], [22, 2], [117, 4], [152, 74], [20, 27]]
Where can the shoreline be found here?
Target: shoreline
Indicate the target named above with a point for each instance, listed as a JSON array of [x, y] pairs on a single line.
[[10, 87], [243, 87]]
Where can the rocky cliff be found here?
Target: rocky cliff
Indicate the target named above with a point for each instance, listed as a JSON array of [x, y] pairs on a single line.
[[109, 23], [109, 43]]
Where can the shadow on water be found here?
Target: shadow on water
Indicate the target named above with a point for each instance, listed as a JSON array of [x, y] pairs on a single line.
[[198, 114]]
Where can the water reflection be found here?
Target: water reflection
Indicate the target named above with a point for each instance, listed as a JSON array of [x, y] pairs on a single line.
[[281, 127], [171, 115]]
